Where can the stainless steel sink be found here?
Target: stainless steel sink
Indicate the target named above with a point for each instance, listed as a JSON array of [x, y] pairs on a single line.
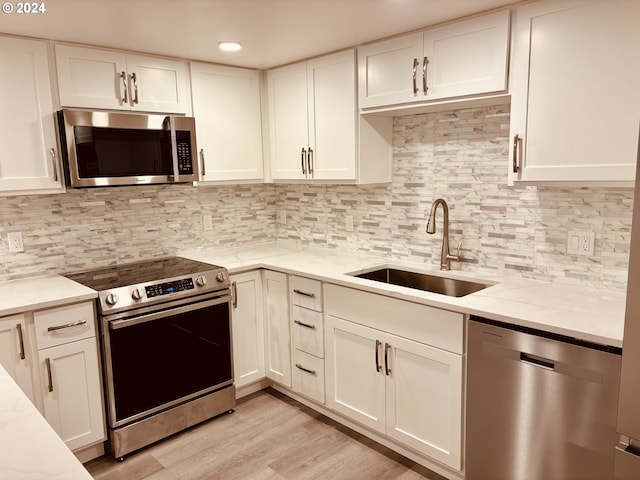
[[423, 281]]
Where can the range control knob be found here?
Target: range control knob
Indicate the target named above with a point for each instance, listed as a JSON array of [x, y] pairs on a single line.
[[201, 280], [221, 277], [136, 294], [111, 299]]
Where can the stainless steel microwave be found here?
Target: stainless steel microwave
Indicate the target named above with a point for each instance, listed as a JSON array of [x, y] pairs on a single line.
[[102, 148]]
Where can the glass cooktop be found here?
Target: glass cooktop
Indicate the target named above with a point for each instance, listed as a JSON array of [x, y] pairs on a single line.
[[155, 270]]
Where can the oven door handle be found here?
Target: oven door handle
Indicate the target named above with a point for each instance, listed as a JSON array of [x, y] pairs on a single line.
[[128, 322]]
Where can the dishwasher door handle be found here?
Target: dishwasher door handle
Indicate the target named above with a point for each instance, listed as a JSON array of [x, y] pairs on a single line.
[[537, 361]]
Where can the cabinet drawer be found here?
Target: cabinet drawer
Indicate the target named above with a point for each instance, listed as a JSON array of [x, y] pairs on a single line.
[[305, 292], [64, 324], [308, 330], [308, 375]]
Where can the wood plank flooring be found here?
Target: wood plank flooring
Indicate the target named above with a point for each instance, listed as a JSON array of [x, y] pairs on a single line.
[[270, 436]]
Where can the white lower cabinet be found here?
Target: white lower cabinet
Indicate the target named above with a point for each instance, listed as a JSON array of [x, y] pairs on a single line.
[[70, 378], [247, 326], [405, 389], [14, 356], [277, 333]]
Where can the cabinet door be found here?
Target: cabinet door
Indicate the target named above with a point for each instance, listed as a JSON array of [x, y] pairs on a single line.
[[355, 379], [332, 116], [288, 121], [277, 335], [226, 104], [70, 380], [14, 353], [390, 72], [157, 84], [575, 97], [92, 78], [466, 58], [28, 158], [247, 323], [424, 399]]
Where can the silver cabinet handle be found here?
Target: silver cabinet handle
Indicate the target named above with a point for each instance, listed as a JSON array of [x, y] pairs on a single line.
[[234, 294], [21, 340], [386, 359], [516, 143], [306, 325], [47, 362], [312, 372], [135, 89], [125, 96], [305, 294], [66, 325], [378, 366], [52, 152], [303, 160], [425, 62], [204, 170], [310, 162], [415, 73]]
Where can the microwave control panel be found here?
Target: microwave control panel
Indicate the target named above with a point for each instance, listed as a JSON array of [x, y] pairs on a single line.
[[185, 157]]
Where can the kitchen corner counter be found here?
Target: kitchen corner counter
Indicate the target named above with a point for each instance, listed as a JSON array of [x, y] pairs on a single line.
[[39, 292], [31, 450], [570, 310]]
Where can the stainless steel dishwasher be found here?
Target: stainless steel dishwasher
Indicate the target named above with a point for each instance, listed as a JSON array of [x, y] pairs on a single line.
[[539, 405]]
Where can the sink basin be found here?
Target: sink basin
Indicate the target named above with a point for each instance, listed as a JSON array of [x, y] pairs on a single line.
[[422, 281]]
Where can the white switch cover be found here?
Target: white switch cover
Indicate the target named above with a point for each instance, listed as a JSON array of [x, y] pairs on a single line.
[[349, 223], [15, 242], [207, 223], [580, 242], [283, 217]]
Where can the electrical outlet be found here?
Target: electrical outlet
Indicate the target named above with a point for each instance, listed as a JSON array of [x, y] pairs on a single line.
[[349, 223], [15, 242], [207, 223], [580, 242]]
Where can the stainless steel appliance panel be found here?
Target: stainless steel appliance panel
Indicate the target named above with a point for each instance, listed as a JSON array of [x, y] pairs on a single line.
[[538, 408], [629, 407]]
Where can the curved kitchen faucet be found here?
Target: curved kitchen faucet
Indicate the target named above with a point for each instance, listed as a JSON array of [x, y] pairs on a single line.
[[445, 257]]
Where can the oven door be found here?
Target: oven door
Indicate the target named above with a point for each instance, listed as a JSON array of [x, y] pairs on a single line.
[[159, 359]]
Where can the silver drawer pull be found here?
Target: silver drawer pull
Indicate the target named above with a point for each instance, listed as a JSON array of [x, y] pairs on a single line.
[[68, 325], [300, 292], [312, 372], [306, 325]]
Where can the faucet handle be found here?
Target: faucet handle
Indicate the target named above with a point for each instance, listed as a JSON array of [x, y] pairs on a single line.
[[458, 256]]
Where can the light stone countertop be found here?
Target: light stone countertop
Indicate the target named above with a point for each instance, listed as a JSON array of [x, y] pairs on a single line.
[[29, 448], [590, 315], [45, 291]]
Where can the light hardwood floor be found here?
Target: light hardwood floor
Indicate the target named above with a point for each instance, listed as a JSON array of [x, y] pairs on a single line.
[[270, 436]]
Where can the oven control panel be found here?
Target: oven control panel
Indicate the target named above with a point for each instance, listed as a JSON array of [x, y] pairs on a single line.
[[169, 287]]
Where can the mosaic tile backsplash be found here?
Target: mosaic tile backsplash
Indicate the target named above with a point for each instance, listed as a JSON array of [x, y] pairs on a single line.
[[459, 155]]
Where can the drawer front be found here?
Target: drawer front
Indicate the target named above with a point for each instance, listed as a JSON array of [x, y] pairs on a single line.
[[308, 330], [57, 326], [305, 292], [424, 324], [308, 375]]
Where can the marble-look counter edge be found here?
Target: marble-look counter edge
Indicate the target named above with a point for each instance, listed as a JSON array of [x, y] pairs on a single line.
[[43, 291], [561, 309]]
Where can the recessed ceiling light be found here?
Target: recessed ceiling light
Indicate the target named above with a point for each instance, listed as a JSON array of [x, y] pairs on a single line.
[[229, 46]]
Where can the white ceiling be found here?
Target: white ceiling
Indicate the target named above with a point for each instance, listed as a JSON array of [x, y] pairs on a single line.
[[273, 32]]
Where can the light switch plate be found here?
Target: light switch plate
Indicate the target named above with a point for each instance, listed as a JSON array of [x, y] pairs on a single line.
[[580, 242]]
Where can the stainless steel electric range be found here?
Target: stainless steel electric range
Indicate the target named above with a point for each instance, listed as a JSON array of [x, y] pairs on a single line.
[[166, 347]]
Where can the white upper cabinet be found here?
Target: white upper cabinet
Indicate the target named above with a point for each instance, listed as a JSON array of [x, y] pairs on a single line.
[[29, 157], [226, 105], [575, 101], [459, 59], [93, 78], [315, 132]]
